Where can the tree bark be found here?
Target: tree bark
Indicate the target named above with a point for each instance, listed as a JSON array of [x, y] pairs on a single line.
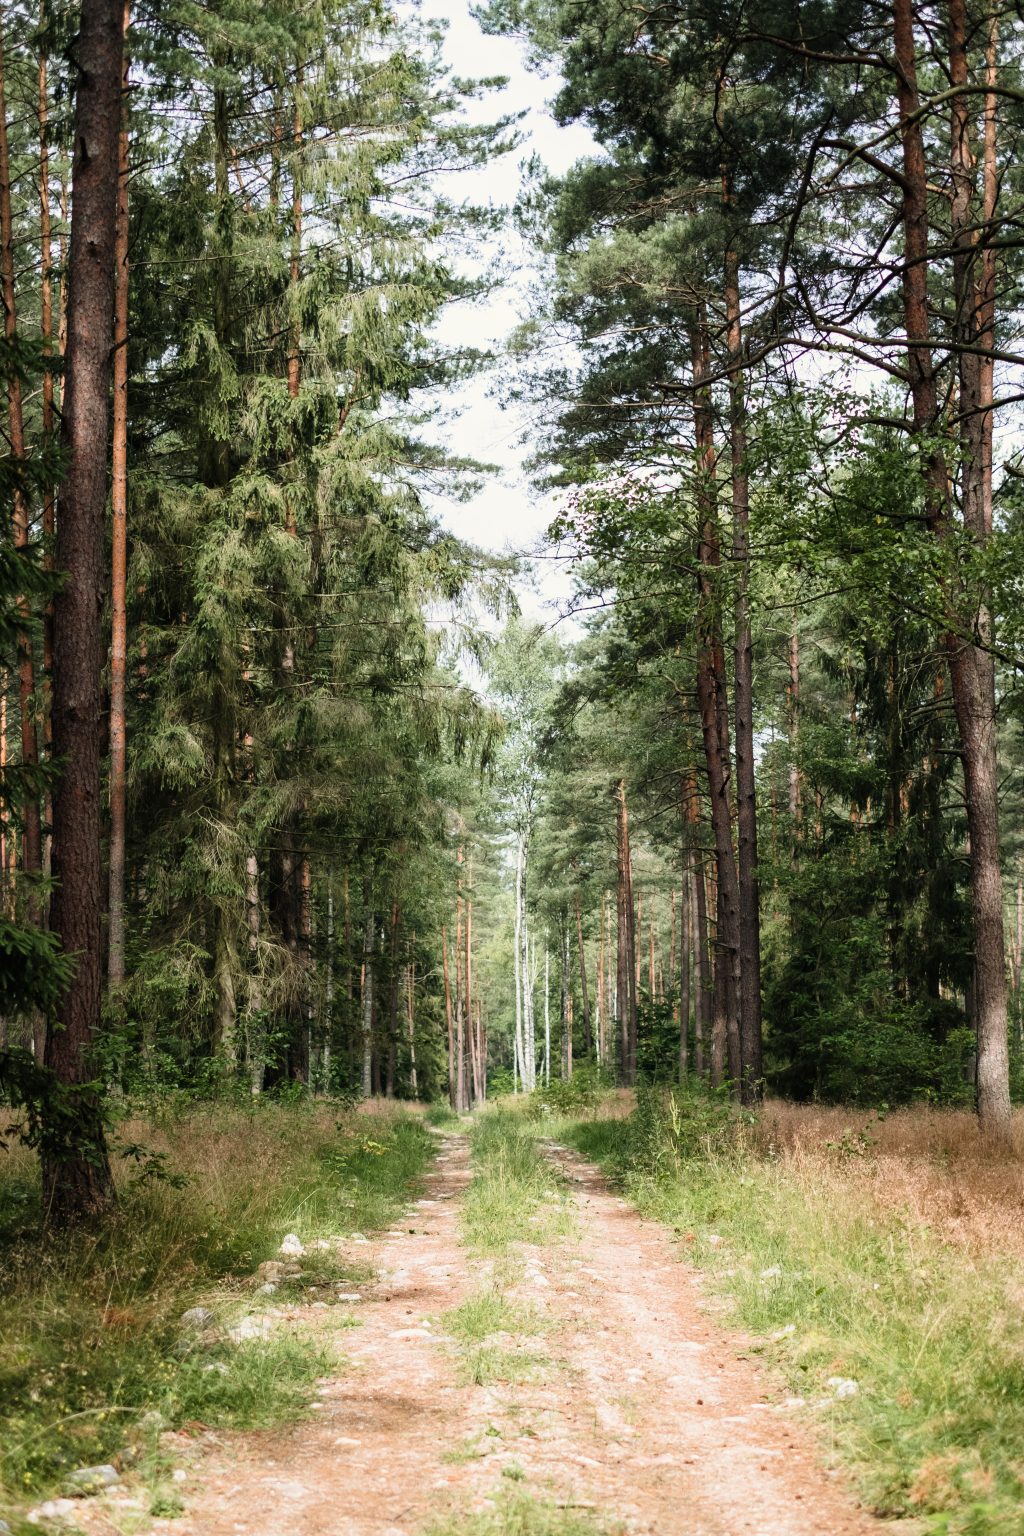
[[32, 844], [752, 1069], [972, 671], [626, 1000], [449, 1014], [76, 1180], [366, 995], [119, 562], [712, 698], [584, 990]]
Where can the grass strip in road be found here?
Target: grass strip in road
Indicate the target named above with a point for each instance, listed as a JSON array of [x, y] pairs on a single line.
[[515, 1196], [93, 1355], [905, 1345], [520, 1515]]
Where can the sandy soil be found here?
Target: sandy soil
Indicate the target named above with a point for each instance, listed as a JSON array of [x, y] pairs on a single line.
[[647, 1412]]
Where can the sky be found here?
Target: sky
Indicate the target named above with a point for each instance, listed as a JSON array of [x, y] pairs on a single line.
[[508, 513]]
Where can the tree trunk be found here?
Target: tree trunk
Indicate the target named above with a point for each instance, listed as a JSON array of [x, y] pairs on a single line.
[[449, 1014], [751, 1085], [32, 845], [547, 1012], [46, 336], [76, 1179], [566, 979], [793, 698], [366, 995], [684, 971], [712, 698], [327, 1046], [119, 562], [517, 939], [584, 990], [255, 1047], [414, 1087], [626, 1000], [972, 670]]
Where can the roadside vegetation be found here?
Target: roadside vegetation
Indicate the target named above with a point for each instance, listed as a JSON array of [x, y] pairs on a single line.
[[98, 1358], [875, 1258]]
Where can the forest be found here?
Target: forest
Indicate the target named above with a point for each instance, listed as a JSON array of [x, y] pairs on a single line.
[[642, 902]]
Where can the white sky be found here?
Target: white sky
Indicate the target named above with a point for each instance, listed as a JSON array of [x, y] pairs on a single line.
[[508, 514]]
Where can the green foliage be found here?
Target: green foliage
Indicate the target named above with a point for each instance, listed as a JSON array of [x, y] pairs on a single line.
[[581, 1093]]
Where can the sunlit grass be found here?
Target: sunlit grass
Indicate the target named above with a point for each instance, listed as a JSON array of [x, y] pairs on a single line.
[[94, 1354], [520, 1515], [515, 1195], [832, 1250]]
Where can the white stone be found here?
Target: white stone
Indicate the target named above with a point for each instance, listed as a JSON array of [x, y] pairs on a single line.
[[197, 1317], [843, 1386], [292, 1247], [92, 1479], [53, 1509], [250, 1328]]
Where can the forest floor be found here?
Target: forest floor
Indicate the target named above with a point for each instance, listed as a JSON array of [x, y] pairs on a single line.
[[531, 1357]]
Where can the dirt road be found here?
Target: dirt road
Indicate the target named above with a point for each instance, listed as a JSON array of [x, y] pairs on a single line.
[[642, 1414]]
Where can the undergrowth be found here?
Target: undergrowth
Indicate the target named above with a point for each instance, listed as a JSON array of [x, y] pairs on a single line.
[[906, 1347], [95, 1360]]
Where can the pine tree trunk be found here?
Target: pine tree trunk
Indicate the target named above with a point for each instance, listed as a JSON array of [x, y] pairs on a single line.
[[119, 563], [566, 981], [626, 999], [712, 698], [793, 696], [684, 971], [449, 1013], [366, 996], [751, 1064], [327, 1046], [584, 990], [971, 666], [414, 1087], [255, 1046], [32, 845], [77, 1180], [46, 336], [393, 990]]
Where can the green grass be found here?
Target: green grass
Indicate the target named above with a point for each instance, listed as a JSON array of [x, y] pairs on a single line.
[[515, 1196], [841, 1283], [494, 1333], [94, 1356], [520, 1515], [491, 1312], [441, 1116]]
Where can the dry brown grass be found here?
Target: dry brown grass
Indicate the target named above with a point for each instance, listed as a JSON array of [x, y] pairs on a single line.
[[930, 1166]]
